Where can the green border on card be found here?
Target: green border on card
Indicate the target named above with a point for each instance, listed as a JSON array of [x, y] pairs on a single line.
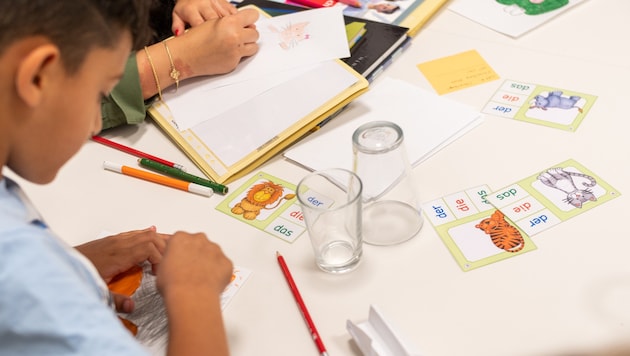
[[466, 265], [590, 101], [610, 194]]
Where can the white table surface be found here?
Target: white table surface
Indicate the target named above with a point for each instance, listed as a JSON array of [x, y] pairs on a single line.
[[571, 294]]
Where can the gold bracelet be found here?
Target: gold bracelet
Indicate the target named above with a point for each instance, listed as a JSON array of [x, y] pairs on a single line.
[[155, 76], [174, 72]]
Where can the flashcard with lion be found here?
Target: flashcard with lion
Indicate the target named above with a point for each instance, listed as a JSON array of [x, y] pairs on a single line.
[[266, 203]]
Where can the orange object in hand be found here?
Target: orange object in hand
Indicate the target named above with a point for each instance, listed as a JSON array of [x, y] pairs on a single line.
[[126, 283]]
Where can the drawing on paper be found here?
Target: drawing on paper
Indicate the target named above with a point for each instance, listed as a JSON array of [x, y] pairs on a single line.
[[148, 321], [266, 195], [291, 35], [531, 7]]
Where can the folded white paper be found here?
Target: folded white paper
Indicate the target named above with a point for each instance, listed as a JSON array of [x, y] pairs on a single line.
[[376, 337], [429, 123]]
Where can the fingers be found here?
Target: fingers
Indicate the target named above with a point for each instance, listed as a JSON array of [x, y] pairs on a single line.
[[123, 303], [248, 17], [194, 13], [217, 46], [249, 49], [155, 256], [193, 261], [194, 18], [150, 247], [220, 8], [179, 26], [146, 245], [116, 254]]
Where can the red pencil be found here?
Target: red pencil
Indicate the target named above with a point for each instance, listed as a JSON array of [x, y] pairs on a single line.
[[135, 152], [301, 305], [315, 3]]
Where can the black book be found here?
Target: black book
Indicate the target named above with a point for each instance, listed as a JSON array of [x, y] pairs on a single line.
[[380, 45]]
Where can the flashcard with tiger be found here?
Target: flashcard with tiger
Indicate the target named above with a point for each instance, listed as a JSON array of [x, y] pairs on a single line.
[[552, 196], [538, 104], [266, 203], [475, 233]]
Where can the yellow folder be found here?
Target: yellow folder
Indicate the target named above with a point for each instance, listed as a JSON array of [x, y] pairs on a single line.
[[421, 14], [290, 106]]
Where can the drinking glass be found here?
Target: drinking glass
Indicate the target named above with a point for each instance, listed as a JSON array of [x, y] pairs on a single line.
[[331, 204], [392, 211]]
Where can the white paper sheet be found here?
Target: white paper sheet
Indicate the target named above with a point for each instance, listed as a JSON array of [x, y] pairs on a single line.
[[289, 45], [234, 134], [429, 123]]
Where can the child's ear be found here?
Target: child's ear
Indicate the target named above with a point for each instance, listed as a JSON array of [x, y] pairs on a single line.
[[33, 72]]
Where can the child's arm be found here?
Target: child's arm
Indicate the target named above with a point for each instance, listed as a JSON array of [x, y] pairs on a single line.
[[214, 47], [193, 274]]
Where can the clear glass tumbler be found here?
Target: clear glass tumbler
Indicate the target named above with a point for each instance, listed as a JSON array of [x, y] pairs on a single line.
[[391, 206], [331, 204]]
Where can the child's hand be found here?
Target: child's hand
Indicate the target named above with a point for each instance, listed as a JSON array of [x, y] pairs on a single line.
[[115, 254], [192, 262], [195, 12], [216, 46], [124, 304]]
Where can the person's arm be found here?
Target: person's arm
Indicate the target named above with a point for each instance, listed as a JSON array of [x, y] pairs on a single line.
[[190, 334], [125, 104], [214, 47], [195, 12], [54, 303], [193, 274]]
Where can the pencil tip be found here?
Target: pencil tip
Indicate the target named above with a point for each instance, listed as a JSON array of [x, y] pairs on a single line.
[[277, 254]]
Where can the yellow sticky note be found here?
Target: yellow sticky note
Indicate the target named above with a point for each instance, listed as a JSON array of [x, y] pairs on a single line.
[[457, 72]]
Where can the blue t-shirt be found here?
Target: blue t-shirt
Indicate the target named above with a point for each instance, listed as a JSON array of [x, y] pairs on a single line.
[[52, 300]]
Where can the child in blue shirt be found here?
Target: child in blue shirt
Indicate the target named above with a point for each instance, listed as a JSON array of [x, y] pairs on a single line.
[[57, 60]]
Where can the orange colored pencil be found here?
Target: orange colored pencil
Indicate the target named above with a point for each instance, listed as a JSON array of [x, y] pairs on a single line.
[[157, 178]]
